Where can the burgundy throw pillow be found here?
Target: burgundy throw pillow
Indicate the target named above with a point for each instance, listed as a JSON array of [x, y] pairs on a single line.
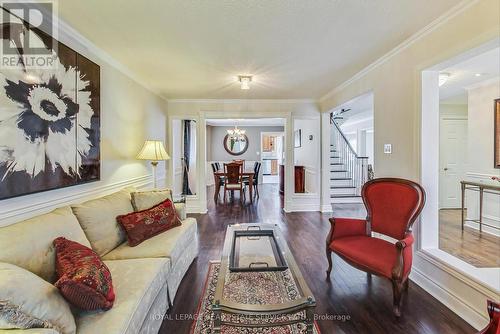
[[142, 225], [83, 279]]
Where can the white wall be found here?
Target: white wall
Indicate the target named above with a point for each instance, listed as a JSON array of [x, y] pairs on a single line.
[[480, 152], [130, 114], [308, 154], [359, 132]]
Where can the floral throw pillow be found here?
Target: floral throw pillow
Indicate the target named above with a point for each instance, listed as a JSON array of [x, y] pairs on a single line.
[[83, 279], [142, 225]]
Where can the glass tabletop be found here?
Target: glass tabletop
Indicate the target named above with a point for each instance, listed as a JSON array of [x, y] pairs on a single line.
[[255, 255]]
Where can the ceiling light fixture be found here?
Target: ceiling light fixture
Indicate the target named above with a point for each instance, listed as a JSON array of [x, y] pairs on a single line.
[[443, 77], [245, 81], [478, 74]]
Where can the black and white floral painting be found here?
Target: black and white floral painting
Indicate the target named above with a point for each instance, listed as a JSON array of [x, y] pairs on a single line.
[[49, 117]]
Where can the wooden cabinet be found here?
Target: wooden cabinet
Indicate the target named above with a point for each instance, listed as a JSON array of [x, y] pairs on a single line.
[[299, 177]]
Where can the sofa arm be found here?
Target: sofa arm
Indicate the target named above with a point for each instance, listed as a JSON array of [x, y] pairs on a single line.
[[346, 227], [181, 210]]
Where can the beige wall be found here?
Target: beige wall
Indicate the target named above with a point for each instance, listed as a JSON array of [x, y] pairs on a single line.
[[396, 85], [130, 114]]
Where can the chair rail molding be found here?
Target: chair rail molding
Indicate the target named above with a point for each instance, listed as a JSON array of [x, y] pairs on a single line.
[[41, 203]]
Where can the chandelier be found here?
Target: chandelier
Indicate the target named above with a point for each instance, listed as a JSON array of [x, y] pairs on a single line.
[[236, 134]]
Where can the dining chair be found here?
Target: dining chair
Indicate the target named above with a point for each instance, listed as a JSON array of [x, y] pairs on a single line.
[[234, 179], [256, 171], [240, 161], [220, 179]]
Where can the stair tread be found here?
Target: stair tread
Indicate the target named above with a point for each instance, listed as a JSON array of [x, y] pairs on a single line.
[[340, 178], [336, 163], [338, 171], [342, 187]]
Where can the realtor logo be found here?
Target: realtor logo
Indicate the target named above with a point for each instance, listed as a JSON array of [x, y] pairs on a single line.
[[28, 35]]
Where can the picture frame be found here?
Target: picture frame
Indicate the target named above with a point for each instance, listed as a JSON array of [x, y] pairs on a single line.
[[297, 138], [496, 139], [55, 141]]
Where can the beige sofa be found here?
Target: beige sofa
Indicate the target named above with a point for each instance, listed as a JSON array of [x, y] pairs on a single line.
[[145, 277]]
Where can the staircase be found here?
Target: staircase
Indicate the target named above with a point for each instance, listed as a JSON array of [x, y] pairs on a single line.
[[348, 171]]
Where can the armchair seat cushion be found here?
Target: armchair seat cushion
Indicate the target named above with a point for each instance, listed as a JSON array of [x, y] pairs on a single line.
[[373, 254]]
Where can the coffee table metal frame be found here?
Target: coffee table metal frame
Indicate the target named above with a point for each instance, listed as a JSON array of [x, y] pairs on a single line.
[[305, 303]]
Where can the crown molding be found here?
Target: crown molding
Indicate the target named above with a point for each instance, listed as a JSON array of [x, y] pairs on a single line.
[[242, 101], [68, 35], [454, 11]]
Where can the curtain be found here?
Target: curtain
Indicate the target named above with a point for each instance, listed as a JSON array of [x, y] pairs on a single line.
[[192, 159], [187, 154]]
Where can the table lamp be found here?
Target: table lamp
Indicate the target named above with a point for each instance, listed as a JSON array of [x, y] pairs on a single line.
[[155, 151]]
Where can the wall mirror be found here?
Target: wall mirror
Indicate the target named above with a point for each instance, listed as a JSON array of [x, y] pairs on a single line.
[[236, 145]]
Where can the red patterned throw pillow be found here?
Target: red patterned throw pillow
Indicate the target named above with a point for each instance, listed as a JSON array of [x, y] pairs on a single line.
[[83, 279], [142, 225]]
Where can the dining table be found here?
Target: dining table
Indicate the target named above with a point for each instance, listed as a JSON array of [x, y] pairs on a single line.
[[219, 174]]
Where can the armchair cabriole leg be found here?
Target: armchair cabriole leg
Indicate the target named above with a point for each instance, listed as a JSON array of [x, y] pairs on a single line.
[[406, 284], [397, 288], [329, 258]]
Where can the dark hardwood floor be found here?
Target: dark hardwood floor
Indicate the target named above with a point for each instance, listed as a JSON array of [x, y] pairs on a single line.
[[365, 304]]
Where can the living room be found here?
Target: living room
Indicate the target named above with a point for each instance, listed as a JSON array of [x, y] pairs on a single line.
[[113, 114]]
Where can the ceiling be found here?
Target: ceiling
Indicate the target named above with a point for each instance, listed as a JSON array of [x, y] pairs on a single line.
[[294, 48], [463, 75], [247, 122]]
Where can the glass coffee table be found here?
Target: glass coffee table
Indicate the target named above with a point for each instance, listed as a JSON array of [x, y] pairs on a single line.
[[259, 282]]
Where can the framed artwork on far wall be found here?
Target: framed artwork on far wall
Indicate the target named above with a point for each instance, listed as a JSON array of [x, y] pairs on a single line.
[[497, 133], [298, 138]]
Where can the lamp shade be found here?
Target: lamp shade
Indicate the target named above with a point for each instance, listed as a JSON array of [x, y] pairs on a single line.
[[153, 150]]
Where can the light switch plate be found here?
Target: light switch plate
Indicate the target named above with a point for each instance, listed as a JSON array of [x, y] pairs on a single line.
[[387, 148]]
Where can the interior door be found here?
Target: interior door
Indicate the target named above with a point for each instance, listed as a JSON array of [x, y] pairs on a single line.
[[453, 161]]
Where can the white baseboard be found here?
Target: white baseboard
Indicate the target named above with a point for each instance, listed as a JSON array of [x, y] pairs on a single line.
[[326, 208], [451, 301], [346, 200]]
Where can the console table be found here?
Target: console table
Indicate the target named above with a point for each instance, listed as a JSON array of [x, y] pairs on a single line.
[[482, 188]]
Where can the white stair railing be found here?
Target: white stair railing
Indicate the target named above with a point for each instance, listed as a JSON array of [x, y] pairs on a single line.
[[356, 166]]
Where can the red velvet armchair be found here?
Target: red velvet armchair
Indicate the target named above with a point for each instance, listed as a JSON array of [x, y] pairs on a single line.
[[393, 205], [494, 324]]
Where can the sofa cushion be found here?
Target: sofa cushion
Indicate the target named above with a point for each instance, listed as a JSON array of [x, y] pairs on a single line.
[[84, 280], [171, 244], [145, 224], [98, 220], [28, 301], [137, 283], [28, 244], [142, 200]]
